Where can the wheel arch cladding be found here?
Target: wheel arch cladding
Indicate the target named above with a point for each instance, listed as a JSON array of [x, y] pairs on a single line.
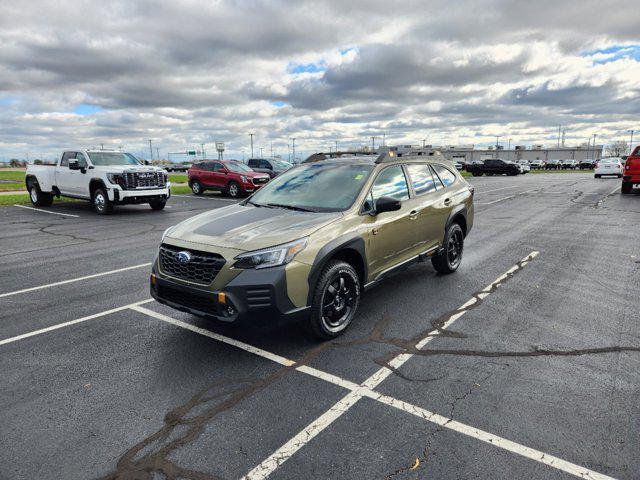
[[94, 184], [350, 249], [458, 215], [30, 180]]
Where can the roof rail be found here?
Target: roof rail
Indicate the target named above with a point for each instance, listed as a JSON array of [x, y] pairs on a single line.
[[386, 155], [318, 157]]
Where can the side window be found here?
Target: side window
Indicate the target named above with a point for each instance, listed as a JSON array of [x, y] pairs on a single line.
[[391, 183], [65, 158], [446, 176], [436, 179], [82, 161], [421, 178], [264, 164], [217, 167], [253, 163]]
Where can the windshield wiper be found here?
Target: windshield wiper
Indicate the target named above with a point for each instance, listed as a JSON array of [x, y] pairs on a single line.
[[289, 207]]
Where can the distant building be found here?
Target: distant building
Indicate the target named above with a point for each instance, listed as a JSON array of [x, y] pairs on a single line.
[[468, 153]]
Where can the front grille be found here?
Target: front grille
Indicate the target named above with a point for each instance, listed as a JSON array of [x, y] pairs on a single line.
[[259, 297], [196, 302], [202, 268], [133, 180], [260, 180]]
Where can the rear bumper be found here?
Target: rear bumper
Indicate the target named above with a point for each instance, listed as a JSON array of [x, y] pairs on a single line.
[[633, 178], [254, 296], [607, 171]]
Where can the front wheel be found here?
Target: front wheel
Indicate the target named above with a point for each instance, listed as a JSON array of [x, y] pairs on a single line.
[[233, 190], [335, 300], [448, 260], [101, 202], [38, 197], [157, 204], [196, 187]]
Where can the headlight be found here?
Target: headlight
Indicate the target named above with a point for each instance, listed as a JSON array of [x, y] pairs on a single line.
[[244, 179], [114, 178], [271, 257]]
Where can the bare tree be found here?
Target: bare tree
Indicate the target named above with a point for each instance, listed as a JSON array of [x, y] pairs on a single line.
[[617, 148]]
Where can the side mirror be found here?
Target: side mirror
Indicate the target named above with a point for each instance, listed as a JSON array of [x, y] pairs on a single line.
[[387, 204], [73, 164]]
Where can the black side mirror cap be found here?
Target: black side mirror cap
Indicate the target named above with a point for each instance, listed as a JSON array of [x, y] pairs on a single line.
[[387, 204], [74, 165]]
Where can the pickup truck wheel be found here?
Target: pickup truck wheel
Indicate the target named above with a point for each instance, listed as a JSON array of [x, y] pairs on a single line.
[[38, 197], [626, 187], [448, 260], [196, 187], [101, 202], [233, 189], [158, 204], [336, 297]]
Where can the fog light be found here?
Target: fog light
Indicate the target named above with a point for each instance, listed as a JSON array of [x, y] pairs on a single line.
[[153, 279], [222, 298]]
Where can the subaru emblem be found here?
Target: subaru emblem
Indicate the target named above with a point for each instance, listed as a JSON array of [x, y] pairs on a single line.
[[183, 257]]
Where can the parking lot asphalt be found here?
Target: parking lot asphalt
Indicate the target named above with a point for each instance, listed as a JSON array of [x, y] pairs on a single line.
[[524, 363]]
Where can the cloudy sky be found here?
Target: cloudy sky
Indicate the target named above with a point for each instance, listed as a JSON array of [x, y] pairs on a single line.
[[184, 73]]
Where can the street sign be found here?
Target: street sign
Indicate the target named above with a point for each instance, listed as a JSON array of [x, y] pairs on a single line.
[[191, 152], [220, 146]]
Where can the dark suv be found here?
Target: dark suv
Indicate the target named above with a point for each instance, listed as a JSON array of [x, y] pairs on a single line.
[[228, 176], [271, 166]]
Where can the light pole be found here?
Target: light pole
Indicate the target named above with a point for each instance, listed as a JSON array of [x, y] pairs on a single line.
[[150, 149], [293, 148], [260, 152], [631, 140], [497, 144], [384, 139], [594, 146], [336, 146], [509, 150], [251, 136], [424, 142], [202, 149], [373, 144], [271, 148]]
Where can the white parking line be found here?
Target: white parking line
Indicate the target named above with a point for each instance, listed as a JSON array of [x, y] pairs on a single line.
[[286, 451], [46, 211], [356, 392], [72, 280], [72, 322]]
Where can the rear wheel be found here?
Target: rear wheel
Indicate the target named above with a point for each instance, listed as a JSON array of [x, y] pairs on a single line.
[[233, 189], [596, 176], [335, 300], [157, 204], [196, 187], [101, 202], [448, 260], [38, 197], [626, 187], [477, 174]]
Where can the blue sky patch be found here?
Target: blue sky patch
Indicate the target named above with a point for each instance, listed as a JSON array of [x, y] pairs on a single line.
[[615, 52], [8, 100], [278, 103], [347, 50], [297, 68], [85, 109]]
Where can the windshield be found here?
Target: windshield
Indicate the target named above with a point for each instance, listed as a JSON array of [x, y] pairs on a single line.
[[112, 158], [318, 187], [281, 164], [609, 160], [238, 167]]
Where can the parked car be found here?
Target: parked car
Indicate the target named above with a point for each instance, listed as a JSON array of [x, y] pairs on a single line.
[[554, 164], [569, 164], [608, 166], [177, 167], [104, 177], [313, 239], [524, 166], [271, 166], [495, 166], [631, 176], [228, 176], [459, 165], [537, 164], [586, 164]]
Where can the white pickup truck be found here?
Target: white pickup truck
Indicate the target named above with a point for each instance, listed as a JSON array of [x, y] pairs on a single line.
[[104, 177]]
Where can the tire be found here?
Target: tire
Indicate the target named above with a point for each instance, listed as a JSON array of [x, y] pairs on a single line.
[[477, 174], [626, 188], [233, 189], [450, 258], [158, 204], [196, 187], [101, 203], [619, 176], [338, 289], [596, 176], [38, 197]]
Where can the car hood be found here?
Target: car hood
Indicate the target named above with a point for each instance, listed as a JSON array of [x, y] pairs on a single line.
[[128, 168], [245, 227]]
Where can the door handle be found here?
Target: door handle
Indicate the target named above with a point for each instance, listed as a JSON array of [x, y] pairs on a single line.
[[413, 214], [447, 201]]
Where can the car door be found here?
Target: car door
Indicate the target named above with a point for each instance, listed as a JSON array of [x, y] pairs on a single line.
[[447, 192], [219, 175], [205, 174], [426, 206], [67, 179], [391, 235], [81, 182]]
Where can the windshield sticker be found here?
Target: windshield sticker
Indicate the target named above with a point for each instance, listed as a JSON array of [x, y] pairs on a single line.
[[359, 176]]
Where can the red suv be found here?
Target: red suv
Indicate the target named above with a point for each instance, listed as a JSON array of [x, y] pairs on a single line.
[[228, 176], [631, 172]]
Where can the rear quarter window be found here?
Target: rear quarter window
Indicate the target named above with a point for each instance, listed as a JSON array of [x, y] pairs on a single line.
[[421, 178], [446, 176]]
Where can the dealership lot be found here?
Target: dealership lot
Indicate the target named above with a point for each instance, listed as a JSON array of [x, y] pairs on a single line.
[[528, 358]]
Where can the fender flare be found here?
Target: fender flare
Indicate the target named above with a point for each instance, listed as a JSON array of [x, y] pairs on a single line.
[[100, 181], [353, 242], [455, 212]]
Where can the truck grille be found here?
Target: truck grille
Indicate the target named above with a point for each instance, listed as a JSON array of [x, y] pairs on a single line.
[[202, 267], [260, 180], [133, 180]]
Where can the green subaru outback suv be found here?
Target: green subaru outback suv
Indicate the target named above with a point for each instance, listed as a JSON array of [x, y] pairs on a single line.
[[310, 241]]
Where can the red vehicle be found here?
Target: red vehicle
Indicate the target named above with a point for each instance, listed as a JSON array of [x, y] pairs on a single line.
[[631, 172], [227, 176]]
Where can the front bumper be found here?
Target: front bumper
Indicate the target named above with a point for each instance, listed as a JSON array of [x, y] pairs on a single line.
[[142, 195], [253, 296]]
